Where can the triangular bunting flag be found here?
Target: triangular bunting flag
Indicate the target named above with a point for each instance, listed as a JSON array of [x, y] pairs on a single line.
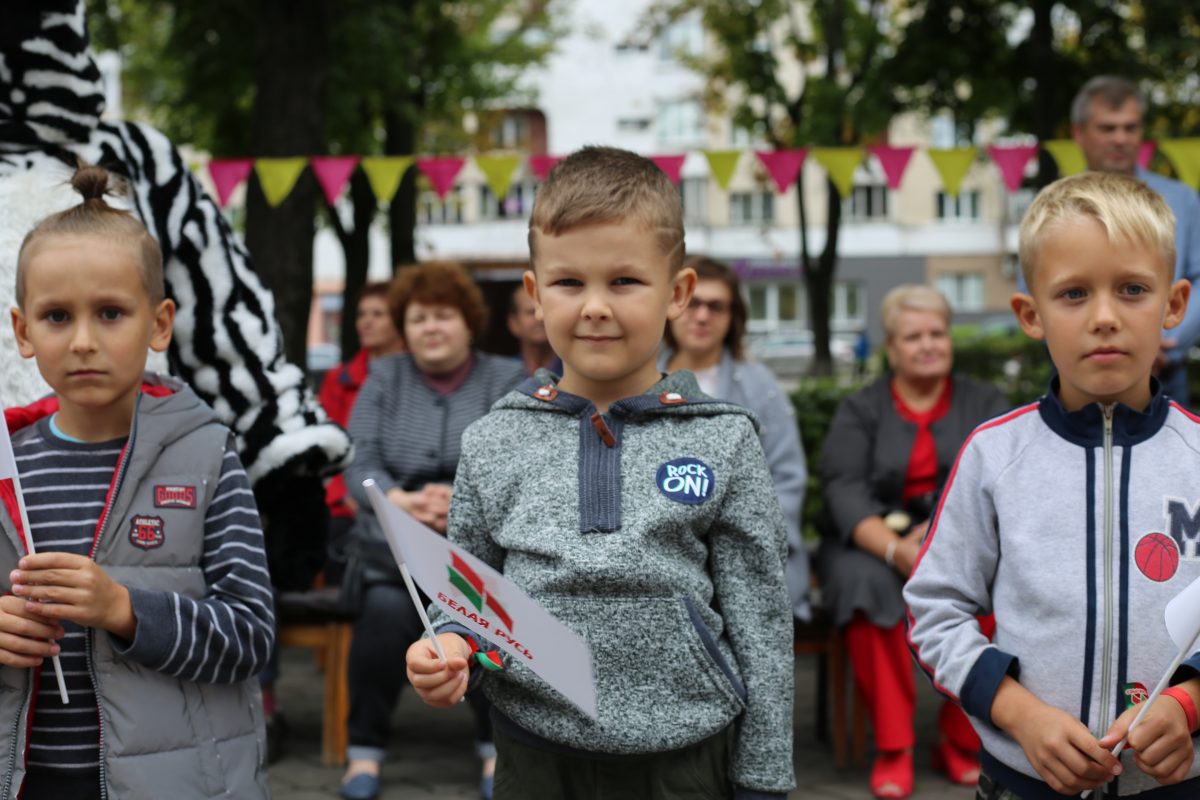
[[1185, 157], [672, 165], [541, 165], [894, 161], [228, 174], [1146, 153], [499, 171], [441, 172], [278, 176], [385, 174], [782, 165], [332, 173], [721, 164], [1012, 160], [840, 163], [1066, 155], [952, 166]]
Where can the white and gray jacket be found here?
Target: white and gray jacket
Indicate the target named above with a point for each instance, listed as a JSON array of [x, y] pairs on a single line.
[[1075, 530], [676, 586]]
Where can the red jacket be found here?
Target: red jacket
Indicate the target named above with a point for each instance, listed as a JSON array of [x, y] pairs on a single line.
[[339, 390]]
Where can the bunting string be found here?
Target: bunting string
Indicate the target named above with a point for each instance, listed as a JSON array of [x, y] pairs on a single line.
[[278, 176]]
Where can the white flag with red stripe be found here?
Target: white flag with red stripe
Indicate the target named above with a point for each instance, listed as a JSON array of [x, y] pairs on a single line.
[[8, 462]]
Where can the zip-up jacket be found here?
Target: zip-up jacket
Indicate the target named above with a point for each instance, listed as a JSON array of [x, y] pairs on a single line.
[[180, 713], [1075, 529], [652, 531]]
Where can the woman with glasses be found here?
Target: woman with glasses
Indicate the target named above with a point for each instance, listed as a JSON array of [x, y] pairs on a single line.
[[707, 340]]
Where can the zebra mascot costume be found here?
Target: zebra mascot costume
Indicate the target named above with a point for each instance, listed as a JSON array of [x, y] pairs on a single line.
[[226, 343]]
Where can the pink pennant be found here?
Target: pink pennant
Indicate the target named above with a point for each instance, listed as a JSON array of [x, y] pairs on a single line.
[[332, 173], [782, 165], [672, 165], [541, 165], [441, 172], [1146, 152], [894, 161], [227, 174], [1012, 161]]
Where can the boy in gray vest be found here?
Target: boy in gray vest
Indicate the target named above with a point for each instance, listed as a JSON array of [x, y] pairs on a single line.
[[636, 510], [142, 569], [1072, 520]]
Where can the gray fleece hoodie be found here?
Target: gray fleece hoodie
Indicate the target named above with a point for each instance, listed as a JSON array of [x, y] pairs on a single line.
[[652, 531]]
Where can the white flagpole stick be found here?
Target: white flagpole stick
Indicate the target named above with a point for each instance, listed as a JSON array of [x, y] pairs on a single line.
[[58, 673], [377, 497]]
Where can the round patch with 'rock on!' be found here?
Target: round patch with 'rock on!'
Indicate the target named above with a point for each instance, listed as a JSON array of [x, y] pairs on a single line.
[[686, 480]]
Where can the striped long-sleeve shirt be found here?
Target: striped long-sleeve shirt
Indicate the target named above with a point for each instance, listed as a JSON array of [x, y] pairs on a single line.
[[223, 637]]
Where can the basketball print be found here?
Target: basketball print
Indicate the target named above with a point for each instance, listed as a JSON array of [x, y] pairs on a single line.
[[1156, 556]]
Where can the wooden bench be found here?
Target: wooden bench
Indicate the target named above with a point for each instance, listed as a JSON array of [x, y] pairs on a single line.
[[314, 620]]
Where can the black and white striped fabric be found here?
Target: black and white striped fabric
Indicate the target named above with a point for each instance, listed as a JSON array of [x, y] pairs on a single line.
[[226, 343], [65, 485]]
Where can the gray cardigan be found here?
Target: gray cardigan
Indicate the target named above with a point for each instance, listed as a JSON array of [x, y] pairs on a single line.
[[753, 386], [863, 464], [677, 586]]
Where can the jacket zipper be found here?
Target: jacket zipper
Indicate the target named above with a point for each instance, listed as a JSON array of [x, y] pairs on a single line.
[[1106, 666], [90, 640]]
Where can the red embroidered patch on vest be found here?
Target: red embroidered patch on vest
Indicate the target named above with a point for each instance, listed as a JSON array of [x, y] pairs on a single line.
[[174, 496], [146, 532]]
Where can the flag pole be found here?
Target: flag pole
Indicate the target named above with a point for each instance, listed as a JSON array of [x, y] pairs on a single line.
[[377, 497], [58, 673]]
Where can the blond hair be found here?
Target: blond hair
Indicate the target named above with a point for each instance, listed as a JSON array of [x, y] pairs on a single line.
[[1129, 211], [911, 297], [94, 217], [599, 185]]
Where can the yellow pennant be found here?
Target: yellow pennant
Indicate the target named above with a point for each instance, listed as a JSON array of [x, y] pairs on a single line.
[[1184, 155], [721, 164], [278, 176], [1066, 155], [498, 171], [384, 173], [840, 163], [952, 166]]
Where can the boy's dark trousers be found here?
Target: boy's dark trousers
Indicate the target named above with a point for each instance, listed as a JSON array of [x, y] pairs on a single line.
[[700, 772]]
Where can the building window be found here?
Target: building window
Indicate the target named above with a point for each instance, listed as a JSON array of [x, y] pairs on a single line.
[[516, 204], [433, 211], [751, 208], [963, 290], [634, 124], [867, 202], [964, 206], [1018, 203], [683, 37], [512, 133], [694, 194], [780, 306], [680, 124], [849, 306]]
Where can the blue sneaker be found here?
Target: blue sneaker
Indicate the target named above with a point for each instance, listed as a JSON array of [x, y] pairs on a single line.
[[361, 787]]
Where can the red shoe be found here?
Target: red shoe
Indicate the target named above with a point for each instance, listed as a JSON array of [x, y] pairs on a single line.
[[892, 775], [959, 766]]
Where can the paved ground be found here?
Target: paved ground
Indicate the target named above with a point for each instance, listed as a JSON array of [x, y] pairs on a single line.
[[431, 753]]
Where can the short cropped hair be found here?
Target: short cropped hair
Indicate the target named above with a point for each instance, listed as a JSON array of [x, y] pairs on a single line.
[[95, 217], [709, 269], [374, 289], [438, 283], [1129, 211], [1113, 90], [598, 185], [911, 297]]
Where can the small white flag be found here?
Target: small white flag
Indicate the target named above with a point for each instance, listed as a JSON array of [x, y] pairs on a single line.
[[482, 600], [8, 462]]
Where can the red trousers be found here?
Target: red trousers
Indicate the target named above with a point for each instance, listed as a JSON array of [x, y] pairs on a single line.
[[883, 673]]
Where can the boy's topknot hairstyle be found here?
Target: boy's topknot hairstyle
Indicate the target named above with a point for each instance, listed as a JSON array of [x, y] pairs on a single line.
[[1128, 210], [597, 185], [95, 217]]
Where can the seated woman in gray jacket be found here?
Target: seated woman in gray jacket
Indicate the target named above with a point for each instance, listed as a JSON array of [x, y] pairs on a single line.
[[889, 449], [708, 340]]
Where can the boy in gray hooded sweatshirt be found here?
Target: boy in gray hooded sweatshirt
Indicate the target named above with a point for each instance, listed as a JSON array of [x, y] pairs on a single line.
[[636, 510], [1073, 520]]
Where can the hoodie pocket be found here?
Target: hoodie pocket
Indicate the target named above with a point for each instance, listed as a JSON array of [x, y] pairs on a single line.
[[710, 646]]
